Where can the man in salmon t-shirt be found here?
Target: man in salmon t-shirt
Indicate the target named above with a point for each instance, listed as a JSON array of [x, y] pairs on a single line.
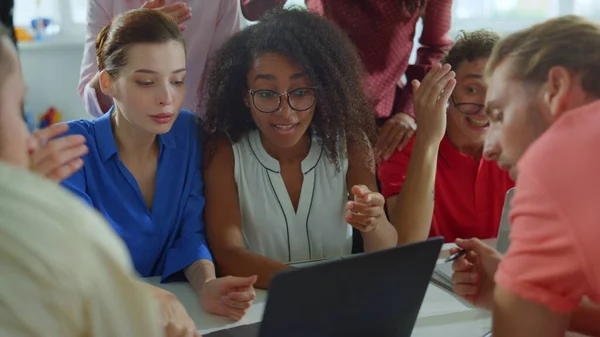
[[445, 158], [544, 104]]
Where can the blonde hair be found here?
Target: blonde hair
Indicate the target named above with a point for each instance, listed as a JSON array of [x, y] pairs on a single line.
[[569, 41]]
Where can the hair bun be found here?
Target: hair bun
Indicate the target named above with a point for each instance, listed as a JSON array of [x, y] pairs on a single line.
[[100, 42]]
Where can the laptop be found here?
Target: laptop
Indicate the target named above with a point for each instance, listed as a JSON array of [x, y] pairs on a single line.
[[442, 275], [371, 294]]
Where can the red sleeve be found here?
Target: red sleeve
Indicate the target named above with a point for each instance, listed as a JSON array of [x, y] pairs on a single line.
[[252, 10], [435, 43], [392, 172]]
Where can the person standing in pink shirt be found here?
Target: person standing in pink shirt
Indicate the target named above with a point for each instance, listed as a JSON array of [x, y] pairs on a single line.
[[543, 100], [206, 25]]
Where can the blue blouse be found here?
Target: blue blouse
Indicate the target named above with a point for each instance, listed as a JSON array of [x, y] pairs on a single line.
[[169, 237]]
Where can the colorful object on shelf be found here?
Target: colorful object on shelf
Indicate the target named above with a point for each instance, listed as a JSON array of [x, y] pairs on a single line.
[[39, 26], [23, 35], [51, 117]]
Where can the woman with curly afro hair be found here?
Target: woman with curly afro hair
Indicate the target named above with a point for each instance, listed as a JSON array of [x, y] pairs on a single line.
[[289, 167]]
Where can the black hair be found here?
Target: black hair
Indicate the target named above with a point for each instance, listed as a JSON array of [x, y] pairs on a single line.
[[342, 119], [470, 46]]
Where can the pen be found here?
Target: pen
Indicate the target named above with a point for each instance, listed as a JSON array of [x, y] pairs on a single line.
[[456, 255]]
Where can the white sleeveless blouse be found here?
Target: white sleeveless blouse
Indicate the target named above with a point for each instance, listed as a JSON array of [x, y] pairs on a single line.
[[270, 225]]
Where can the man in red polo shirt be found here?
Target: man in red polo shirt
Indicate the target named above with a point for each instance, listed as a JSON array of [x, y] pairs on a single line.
[[439, 184]]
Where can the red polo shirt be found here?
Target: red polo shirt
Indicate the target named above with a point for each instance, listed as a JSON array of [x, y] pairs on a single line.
[[469, 194]]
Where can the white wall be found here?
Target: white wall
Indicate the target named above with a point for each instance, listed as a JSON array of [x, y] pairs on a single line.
[[51, 72]]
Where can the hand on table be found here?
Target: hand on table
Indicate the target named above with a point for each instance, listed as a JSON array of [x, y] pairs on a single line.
[[366, 211], [431, 99], [394, 135], [176, 321], [57, 158], [229, 296], [473, 275], [179, 11]]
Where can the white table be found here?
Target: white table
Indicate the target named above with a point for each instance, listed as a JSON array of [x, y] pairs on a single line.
[[441, 313]]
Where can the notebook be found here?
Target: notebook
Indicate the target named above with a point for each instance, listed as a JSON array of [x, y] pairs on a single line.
[[442, 275]]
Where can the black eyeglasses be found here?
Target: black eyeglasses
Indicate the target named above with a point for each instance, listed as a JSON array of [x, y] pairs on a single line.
[[467, 108], [268, 101]]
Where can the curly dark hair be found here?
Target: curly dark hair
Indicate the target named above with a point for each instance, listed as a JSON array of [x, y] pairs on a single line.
[[470, 46], [342, 118]]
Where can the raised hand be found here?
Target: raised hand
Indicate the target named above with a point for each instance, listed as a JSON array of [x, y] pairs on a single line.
[[431, 98]]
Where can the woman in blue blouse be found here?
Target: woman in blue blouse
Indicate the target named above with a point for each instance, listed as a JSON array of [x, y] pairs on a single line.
[[143, 169]]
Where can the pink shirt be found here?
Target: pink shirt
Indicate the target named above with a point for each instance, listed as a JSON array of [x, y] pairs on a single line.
[[554, 254], [212, 23]]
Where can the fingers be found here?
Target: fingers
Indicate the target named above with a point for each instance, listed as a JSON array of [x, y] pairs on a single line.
[[436, 87], [236, 314], [247, 295], [173, 330], [234, 282], [367, 210], [233, 303], [153, 4], [48, 133], [416, 84], [448, 90], [60, 157], [407, 136], [180, 12], [363, 195], [474, 245], [469, 277], [423, 87], [454, 250], [461, 264], [399, 131], [465, 290], [65, 171], [359, 190], [385, 135], [363, 223]]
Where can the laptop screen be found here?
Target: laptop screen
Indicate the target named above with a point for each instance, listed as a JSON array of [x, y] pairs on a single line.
[[504, 230]]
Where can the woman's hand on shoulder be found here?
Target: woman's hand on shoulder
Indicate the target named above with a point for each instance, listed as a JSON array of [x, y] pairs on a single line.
[[366, 211], [229, 296], [54, 156]]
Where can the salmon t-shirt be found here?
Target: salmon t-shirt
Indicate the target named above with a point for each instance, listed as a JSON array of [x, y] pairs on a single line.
[[554, 254]]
